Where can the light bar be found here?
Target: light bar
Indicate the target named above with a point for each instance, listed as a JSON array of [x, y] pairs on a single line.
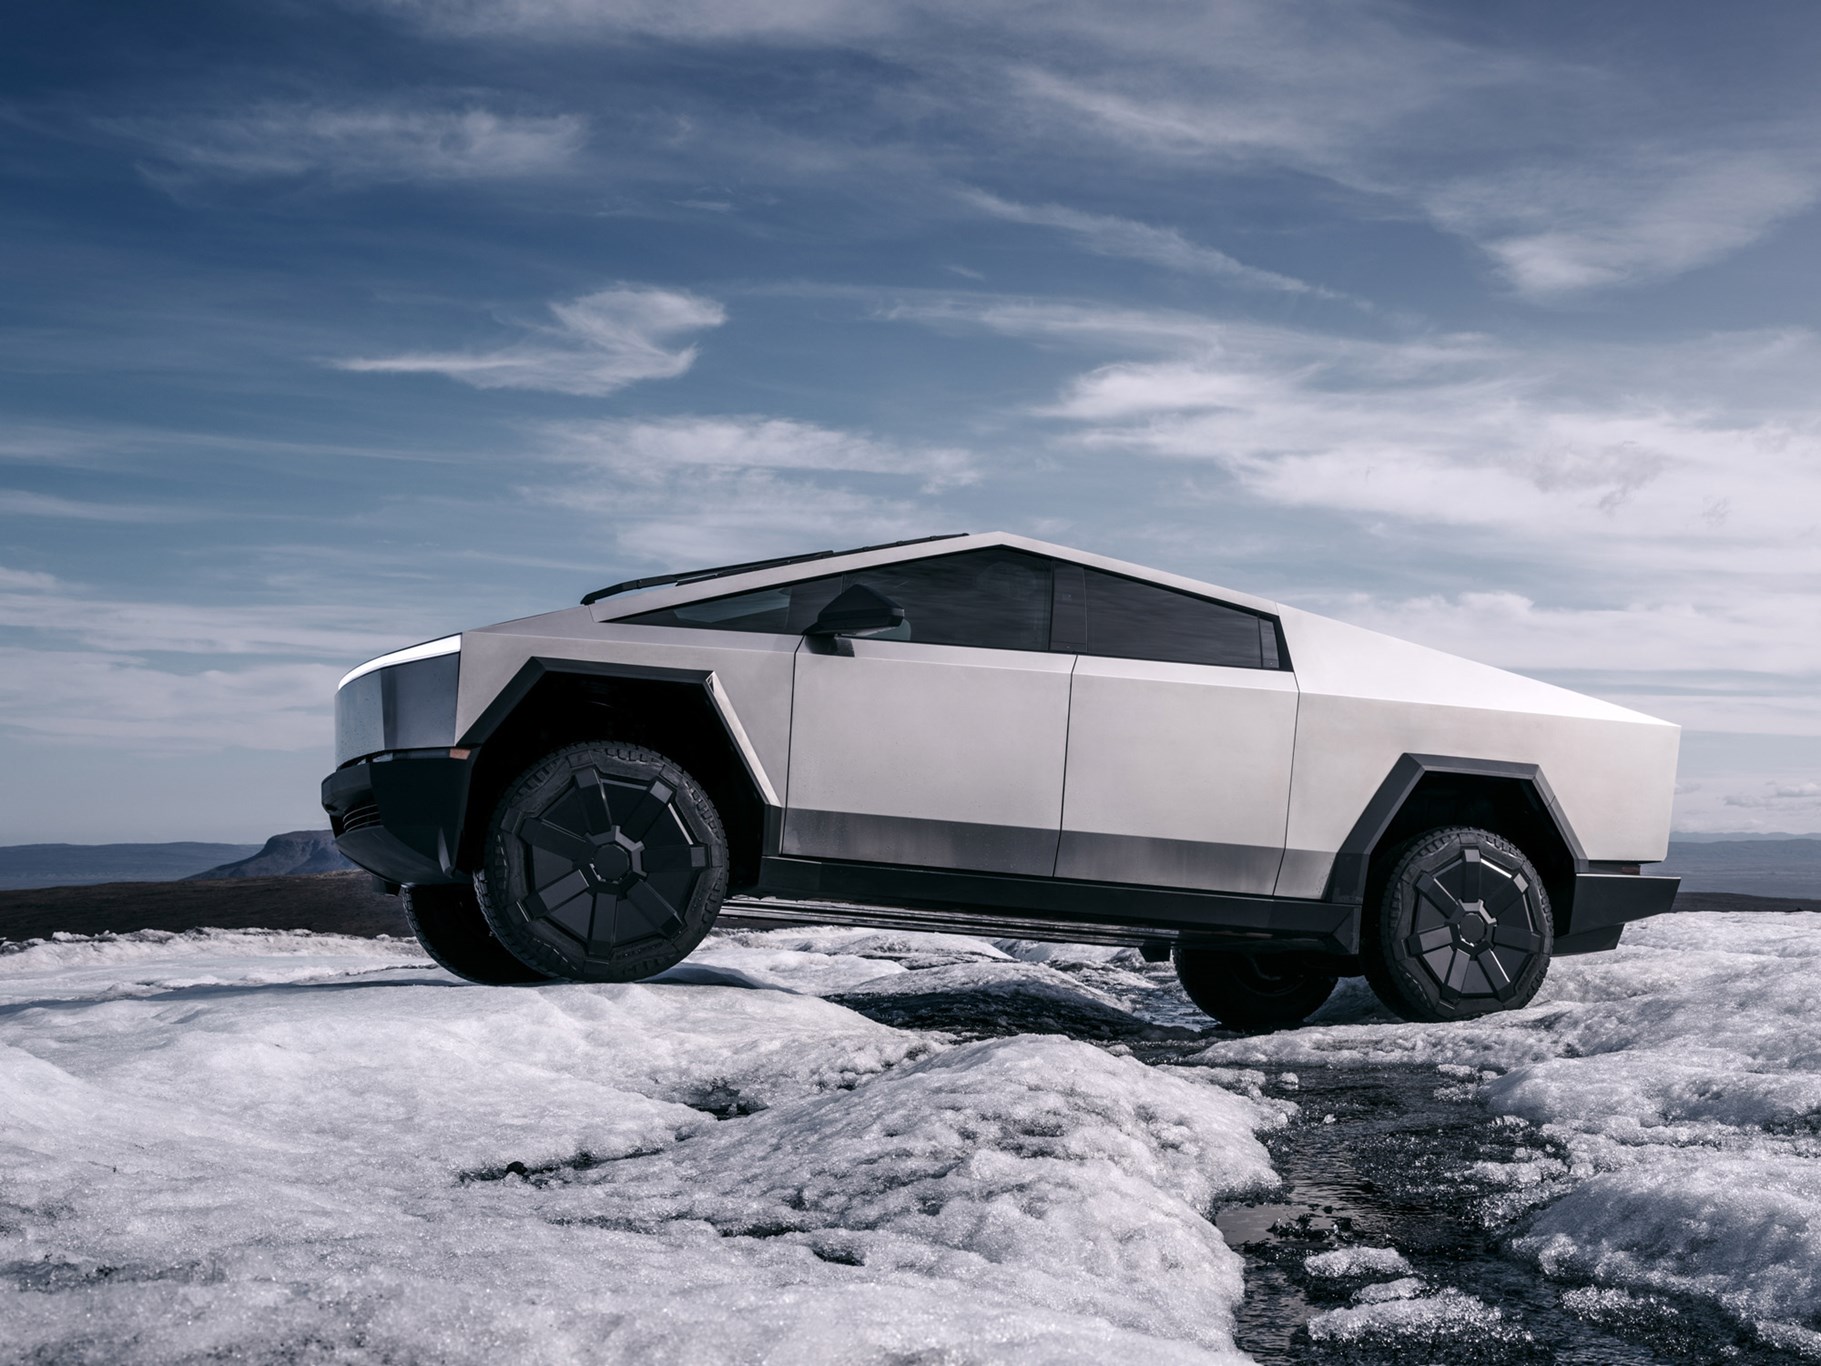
[[430, 649]]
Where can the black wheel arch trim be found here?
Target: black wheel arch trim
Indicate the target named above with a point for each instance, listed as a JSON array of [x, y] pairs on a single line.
[[534, 670], [1347, 881], [1594, 898]]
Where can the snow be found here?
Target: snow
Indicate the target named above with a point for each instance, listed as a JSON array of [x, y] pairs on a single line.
[[256, 1145], [1345, 1262], [1670, 1095], [1444, 1317], [1404, 1288]]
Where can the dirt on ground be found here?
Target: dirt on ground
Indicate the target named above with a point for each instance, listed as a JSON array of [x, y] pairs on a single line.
[[330, 903]]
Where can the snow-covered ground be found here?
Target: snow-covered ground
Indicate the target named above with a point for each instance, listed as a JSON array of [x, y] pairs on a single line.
[[266, 1146], [261, 1146]]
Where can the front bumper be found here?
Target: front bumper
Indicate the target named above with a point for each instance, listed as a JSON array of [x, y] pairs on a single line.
[[399, 815]]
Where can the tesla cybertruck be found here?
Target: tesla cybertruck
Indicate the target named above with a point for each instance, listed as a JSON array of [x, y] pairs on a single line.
[[992, 735]]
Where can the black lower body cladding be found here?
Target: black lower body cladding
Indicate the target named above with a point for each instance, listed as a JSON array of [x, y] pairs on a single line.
[[604, 862], [400, 815]]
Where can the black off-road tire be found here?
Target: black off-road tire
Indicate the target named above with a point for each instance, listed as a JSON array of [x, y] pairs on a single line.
[[448, 923], [604, 862], [1254, 993], [1461, 926]]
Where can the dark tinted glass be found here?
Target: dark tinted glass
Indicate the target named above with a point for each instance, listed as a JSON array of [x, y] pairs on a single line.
[[1131, 620], [995, 599]]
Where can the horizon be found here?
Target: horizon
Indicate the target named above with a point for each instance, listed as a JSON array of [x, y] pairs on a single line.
[[329, 331]]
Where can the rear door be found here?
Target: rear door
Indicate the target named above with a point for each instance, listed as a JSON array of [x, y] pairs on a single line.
[[1181, 727], [943, 745]]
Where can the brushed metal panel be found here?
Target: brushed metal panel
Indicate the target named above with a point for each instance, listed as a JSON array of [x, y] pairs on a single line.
[[918, 732], [1168, 756], [1199, 864], [1613, 778], [752, 672], [921, 843], [1304, 872]]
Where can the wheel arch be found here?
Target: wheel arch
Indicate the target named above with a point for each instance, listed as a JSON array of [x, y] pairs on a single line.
[[1423, 791], [682, 713]]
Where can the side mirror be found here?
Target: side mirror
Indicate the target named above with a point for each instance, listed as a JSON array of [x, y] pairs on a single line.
[[857, 610]]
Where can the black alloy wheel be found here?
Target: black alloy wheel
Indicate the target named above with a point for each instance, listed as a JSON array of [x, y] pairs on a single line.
[[1462, 928], [1254, 993], [448, 923], [605, 862]]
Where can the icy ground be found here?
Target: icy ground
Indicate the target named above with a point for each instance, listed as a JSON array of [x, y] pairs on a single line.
[[861, 1146]]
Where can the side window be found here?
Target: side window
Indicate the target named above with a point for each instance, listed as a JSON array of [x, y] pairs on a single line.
[[784, 610], [1127, 619], [995, 599]]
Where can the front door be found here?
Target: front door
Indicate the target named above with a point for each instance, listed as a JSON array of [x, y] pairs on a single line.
[[943, 746]]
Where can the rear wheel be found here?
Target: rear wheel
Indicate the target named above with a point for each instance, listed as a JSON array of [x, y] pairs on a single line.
[[1254, 992], [448, 923], [1461, 927], [604, 862]]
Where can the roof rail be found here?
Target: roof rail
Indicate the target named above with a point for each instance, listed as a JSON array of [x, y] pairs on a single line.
[[696, 575]]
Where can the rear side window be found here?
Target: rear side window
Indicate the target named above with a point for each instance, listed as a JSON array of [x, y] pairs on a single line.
[[1127, 619], [993, 599]]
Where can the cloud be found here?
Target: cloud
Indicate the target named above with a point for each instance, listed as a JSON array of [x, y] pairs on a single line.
[[599, 344], [1788, 797], [105, 697], [1107, 235], [816, 21], [714, 489], [50, 607], [658, 448], [1568, 228], [22, 503], [376, 143]]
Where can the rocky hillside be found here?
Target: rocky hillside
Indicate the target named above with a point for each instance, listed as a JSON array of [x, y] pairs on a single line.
[[297, 851]]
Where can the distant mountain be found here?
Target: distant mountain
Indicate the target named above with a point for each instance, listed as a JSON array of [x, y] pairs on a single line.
[[297, 851], [1754, 867], [75, 865]]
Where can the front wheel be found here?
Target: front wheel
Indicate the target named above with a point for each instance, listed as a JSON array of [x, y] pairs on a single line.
[[1461, 927], [1254, 993], [604, 862]]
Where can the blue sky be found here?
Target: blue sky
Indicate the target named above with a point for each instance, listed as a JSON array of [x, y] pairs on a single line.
[[325, 328]]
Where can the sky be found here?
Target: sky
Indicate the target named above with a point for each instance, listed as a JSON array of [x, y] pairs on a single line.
[[330, 327]]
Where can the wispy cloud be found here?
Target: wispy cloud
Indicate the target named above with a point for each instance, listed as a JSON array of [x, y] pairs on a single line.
[[694, 20], [121, 700], [59, 611], [24, 503], [599, 344], [1625, 220], [159, 677], [1109, 235], [701, 489], [375, 143]]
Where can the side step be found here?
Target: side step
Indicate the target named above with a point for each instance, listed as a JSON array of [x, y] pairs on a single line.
[[784, 911]]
